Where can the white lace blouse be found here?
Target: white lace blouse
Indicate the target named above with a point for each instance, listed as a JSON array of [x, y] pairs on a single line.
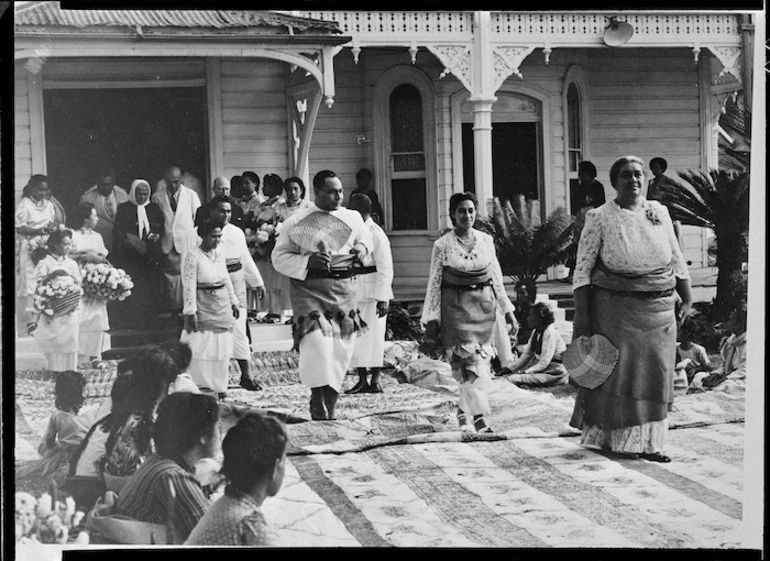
[[626, 241], [448, 252], [198, 267]]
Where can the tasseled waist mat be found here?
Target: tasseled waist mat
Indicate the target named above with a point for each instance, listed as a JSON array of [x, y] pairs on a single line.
[[326, 304], [468, 311]]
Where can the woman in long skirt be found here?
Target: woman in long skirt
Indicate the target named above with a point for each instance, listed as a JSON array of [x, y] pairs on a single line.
[[628, 275], [57, 337], [465, 288], [210, 310], [88, 247]]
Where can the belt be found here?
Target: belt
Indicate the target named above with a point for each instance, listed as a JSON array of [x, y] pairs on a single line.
[[340, 273], [643, 295], [210, 286], [232, 267], [468, 286]]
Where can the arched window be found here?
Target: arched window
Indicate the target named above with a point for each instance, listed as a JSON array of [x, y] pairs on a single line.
[[405, 165], [575, 127], [407, 160]]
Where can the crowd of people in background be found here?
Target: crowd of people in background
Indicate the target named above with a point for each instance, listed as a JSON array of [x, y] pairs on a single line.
[[261, 251]]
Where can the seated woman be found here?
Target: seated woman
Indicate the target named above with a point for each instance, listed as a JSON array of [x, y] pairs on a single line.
[[254, 465], [540, 363], [733, 351], [185, 432], [130, 440]]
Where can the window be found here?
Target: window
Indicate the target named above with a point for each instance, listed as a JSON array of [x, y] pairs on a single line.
[[407, 159], [576, 127], [574, 136]]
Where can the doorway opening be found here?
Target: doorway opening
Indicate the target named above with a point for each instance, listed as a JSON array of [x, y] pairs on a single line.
[[515, 159], [138, 132]]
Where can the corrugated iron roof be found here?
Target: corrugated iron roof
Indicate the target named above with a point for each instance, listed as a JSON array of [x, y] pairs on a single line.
[[51, 14]]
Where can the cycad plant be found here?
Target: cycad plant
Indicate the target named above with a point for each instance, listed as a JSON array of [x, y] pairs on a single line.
[[718, 200], [527, 246]]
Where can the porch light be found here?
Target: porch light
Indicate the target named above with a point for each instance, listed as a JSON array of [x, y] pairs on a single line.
[[617, 33]]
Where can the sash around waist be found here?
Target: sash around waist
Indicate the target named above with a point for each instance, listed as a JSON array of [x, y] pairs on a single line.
[[659, 280], [454, 277], [235, 266], [210, 286]]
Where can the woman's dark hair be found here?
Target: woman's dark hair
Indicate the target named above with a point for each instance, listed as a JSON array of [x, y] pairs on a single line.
[[273, 182], [83, 213], [183, 418], [299, 182], [68, 390], [363, 175], [620, 162], [179, 351], [531, 287], [208, 226], [236, 186], [56, 237], [34, 181], [544, 311], [251, 176], [152, 371], [457, 198], [319, 179], [587, 167], [661, 162], [251, 448]]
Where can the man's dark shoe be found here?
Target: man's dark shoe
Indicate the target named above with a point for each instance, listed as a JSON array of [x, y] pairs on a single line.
[[251, 385], [360, 387], [373, 388]]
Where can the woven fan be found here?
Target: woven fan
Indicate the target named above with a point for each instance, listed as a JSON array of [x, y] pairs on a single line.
[[320, 228]]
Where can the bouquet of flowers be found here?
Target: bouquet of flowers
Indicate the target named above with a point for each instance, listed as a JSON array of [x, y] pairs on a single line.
[[42, 521], [57, 295], [37, 247], [102, 280], [261, 239]]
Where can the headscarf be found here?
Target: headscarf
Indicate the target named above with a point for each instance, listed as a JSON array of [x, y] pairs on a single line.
[[141, 213]]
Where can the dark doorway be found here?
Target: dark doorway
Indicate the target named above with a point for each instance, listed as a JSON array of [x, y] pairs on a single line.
[[137, 131], [515, 159]]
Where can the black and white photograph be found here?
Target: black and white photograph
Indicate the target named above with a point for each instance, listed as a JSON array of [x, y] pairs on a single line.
[[341, 278]]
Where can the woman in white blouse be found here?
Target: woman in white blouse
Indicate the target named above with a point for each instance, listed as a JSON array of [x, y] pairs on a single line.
[[628, 274], [540, 363], [465, 288], [210, 310], [88, 247]]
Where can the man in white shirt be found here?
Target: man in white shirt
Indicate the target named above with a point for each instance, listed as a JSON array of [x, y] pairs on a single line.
[[374, 291], [316, 249], [179, 205], [243, 271], [105, 196]]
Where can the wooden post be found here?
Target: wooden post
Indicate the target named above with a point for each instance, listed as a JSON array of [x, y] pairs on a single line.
[[482, 99]]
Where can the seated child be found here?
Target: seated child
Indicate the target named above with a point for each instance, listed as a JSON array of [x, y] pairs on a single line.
[[540, 363], [254, 464], [691, 358], [733, 351], [182, 355], [526, 293], [65, 430]]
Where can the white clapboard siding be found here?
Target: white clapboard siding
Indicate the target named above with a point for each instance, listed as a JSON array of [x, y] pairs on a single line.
[[255, 133], [22, 141]]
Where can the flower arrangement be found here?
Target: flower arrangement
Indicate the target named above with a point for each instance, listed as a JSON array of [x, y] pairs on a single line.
[[261, 240], [652, 216], [102, 280], [45, 520], [57, 295], [37, 247]]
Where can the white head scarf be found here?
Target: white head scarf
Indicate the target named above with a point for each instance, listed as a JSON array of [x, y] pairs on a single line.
[[141, 213]]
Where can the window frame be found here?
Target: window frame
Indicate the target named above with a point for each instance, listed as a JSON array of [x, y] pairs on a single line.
[[383, 172], [575, 76]]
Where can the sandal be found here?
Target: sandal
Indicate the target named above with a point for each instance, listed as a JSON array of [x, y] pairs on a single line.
[[480, 424]]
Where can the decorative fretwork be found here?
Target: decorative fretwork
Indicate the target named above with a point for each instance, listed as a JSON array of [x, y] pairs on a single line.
[[731, 59], [397, 22], [506, 61], [456, 59]]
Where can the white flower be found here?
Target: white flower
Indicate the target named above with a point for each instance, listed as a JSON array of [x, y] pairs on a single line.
[[262, 236]]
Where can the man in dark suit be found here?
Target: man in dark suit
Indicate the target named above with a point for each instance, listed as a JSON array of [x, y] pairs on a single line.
[[221, 188]]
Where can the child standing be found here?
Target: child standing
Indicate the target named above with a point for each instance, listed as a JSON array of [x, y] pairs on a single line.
[[65, 430], [254, 464], [540, 363]]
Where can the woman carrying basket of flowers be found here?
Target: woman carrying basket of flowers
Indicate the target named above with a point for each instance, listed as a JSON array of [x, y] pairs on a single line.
[[56, 301]]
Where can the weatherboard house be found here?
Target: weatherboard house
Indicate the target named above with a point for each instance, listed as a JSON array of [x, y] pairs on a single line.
[[431, 102]]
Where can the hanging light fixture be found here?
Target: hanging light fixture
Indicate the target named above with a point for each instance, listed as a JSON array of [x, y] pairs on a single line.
[[617, 33]]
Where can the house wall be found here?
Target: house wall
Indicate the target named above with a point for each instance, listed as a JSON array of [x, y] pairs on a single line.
[[22, 148], [255, 133]]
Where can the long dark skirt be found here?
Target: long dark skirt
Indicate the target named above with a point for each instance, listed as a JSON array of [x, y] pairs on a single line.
[[638, 391]]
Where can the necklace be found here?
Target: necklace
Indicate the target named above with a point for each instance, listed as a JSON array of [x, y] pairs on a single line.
[[465, 242]]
